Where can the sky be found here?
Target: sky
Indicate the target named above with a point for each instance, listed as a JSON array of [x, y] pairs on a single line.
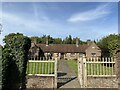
[[86, 20]]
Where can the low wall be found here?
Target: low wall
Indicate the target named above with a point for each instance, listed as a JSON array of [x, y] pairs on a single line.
[[39, 82], [118, 68], [102, 82]]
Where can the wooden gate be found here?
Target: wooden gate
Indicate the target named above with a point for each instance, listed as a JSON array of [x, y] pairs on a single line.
[[43, 67], [95, 67]]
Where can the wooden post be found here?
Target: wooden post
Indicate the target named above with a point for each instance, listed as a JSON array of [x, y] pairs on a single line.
[[56, 73], [117, 68], [84, 72], [80, 71]]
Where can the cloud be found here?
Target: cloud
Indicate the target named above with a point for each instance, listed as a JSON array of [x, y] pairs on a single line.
[[39, 24], [13, 23], [29, 23], [97, 13]]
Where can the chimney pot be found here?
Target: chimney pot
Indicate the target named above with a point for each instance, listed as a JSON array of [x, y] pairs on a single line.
[[47, 42], [77, 42]]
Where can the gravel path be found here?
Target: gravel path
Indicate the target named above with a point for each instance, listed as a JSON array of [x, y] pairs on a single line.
[[66, 76]]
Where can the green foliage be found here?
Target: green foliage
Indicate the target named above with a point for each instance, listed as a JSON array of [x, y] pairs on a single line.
[[0, 67], [15, 56], [67, 40], [57, 41], [10, 78], [109, 44]]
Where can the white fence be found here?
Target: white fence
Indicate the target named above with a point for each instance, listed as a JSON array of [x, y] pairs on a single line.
[[43, 67], [95, 67]]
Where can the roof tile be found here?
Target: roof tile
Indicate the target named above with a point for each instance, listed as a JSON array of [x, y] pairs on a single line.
[[63, 48]]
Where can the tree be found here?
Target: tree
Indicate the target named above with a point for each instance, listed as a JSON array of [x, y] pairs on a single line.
[[57, 41], [14, 61], [68, 40], [0, 67], [109, 44]]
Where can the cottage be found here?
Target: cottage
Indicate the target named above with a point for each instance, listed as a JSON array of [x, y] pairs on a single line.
[[64, 51]]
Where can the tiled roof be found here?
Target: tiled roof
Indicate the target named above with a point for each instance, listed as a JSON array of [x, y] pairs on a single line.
[[63, 48]]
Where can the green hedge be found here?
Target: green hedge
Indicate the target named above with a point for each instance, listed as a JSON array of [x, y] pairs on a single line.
[[14, 61], [0, 67]]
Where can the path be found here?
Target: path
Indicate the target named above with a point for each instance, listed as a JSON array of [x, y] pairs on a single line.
[[66, 76]]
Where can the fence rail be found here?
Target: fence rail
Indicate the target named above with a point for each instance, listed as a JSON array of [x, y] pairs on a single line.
[[100, 67], [95, 67], [43, 67]]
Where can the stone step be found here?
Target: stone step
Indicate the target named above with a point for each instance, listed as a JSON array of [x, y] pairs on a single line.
[[65, 79]]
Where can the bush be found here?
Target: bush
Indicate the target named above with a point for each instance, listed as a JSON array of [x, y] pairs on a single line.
[[14, 61], [0, 67]]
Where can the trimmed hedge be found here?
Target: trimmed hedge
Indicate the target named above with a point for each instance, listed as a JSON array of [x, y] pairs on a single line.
[[14, 61], [0, 67]]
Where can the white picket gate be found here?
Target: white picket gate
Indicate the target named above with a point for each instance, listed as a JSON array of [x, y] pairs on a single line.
[[95, 67], [43, 67]]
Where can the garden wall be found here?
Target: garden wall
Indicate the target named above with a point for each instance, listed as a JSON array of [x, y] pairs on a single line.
[[118, 68], [104, 82], [37, 82]]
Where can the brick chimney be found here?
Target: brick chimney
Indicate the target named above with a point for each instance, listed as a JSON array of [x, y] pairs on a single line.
[[89, 41], [47, 41], [77, 42], [33, 43]]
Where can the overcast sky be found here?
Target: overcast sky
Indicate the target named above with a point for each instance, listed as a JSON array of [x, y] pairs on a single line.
[[86, 20]]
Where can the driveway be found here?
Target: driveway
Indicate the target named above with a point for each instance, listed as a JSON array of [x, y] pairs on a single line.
[[66, 76]]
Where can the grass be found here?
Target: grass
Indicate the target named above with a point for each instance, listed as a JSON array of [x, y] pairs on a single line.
[[99, 69], [40, 68], [48, 68], [92, 69], [73, 65]]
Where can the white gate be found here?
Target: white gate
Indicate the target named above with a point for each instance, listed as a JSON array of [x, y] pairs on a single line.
[[95, 67], [43, 67]]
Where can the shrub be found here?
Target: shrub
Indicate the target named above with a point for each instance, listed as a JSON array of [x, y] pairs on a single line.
[[15, 57], [0, 67]]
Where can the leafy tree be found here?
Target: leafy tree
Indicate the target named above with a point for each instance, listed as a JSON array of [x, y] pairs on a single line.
[[0, 67], [50, 39], [109, 44], [57, 41], [68, 40], [14, 61]]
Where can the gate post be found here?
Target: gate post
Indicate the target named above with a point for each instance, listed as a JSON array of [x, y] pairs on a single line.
[[84, 71], [80, 71], [117, 63], [55, 73]]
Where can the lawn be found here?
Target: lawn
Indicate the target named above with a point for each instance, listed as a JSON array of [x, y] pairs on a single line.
[[48, 68], [40, 68], [73, 65], [99, 69], [92, 69]]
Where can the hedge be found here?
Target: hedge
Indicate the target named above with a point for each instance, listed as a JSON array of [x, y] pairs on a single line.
[[0, 67], [14, 61]]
